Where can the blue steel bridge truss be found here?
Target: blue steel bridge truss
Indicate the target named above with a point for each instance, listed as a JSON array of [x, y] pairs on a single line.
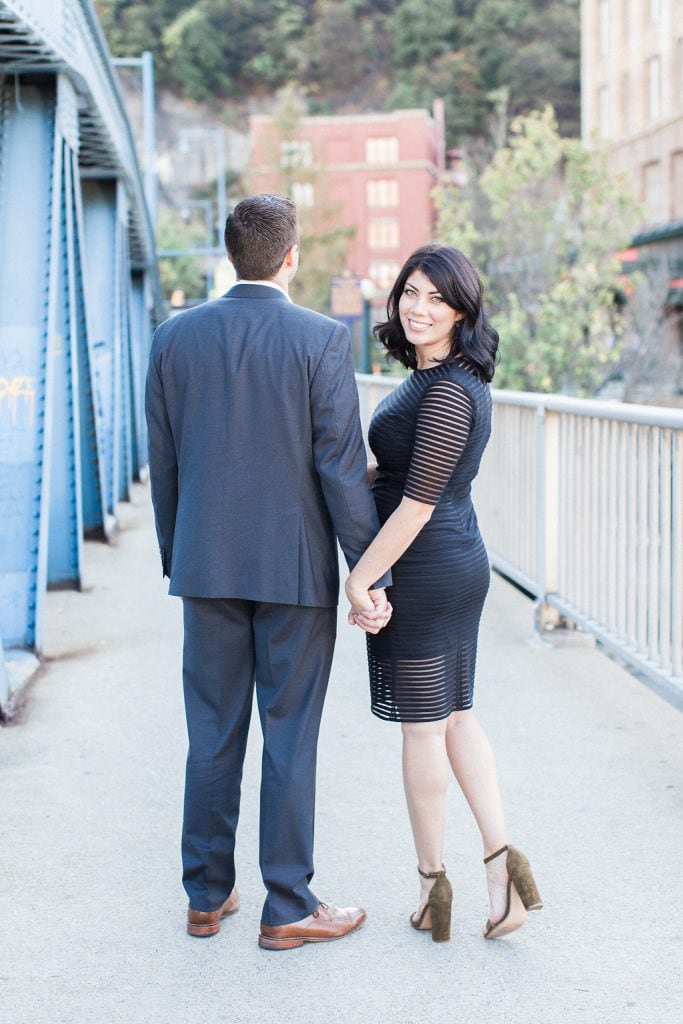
[[79, 296]]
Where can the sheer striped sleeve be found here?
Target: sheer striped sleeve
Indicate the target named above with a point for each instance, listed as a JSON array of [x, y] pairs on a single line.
[[444, 422]]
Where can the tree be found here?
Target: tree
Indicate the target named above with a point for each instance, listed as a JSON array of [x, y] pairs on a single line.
[[531, 47], [544, 222], [209, 49], [421, 31], [135, 25], [336, 31], [214, 48]]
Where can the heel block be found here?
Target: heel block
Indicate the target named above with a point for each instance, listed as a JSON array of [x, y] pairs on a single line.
[[203, 931], [519, 871], [441, 922]]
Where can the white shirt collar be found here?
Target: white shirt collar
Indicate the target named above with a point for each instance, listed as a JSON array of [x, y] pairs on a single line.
[[266, 284]]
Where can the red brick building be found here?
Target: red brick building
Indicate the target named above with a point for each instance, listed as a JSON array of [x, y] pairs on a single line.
[[379, 169]]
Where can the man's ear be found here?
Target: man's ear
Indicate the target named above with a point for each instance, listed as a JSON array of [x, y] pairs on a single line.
[[291, 257]]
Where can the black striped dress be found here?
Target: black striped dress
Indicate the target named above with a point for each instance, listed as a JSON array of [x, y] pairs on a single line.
[[428, 437]]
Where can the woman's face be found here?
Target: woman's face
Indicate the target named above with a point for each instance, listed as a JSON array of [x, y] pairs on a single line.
[[426, 319]]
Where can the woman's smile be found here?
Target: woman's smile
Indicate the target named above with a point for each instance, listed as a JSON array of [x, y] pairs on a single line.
[[416, 325]]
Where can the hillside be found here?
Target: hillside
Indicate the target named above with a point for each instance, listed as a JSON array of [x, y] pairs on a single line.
[[489, 59]]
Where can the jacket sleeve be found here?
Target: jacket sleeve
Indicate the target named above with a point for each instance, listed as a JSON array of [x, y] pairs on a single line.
[[339, 452], [163, 463]]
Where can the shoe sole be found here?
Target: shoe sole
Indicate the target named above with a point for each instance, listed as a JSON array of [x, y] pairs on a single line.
[[205, 931], [295, 941]]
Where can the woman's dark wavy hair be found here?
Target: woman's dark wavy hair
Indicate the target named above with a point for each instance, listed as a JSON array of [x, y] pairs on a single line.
[[457, 281]]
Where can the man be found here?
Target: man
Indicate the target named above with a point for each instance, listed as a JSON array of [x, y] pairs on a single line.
[[256, 463]]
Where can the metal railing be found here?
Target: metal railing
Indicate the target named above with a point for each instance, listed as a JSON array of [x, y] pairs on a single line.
[[581, 503]]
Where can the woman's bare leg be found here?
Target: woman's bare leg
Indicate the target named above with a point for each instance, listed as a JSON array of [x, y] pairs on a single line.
[[425, 780], [474, 767]]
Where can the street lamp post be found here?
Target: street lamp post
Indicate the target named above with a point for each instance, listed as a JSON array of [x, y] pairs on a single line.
[[367, 290]]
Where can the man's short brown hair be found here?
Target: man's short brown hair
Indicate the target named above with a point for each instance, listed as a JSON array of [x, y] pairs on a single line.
[[259, 233]]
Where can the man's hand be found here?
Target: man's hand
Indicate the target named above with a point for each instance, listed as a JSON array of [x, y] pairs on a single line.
[[370, 609]]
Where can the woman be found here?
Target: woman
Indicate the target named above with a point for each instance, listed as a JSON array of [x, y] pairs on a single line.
[[428, 437]]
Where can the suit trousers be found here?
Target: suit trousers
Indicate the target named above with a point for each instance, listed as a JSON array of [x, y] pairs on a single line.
[[285, 652]]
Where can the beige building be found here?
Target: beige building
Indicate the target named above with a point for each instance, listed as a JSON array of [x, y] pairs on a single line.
[[632, 95], [632, 102]]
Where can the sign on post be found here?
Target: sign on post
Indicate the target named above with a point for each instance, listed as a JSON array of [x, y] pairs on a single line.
[[346, 296]]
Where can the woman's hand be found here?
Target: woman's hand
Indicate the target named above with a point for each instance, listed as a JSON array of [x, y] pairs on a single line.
[[373, 622], [370, 609]]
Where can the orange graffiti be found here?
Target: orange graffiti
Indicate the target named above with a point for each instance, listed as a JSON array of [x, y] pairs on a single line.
[[15, 389]]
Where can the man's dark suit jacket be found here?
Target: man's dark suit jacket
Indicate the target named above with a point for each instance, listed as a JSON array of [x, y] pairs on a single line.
[[256, 452]]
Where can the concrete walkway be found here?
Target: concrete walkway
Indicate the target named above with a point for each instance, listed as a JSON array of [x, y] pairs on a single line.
[[91, 907]]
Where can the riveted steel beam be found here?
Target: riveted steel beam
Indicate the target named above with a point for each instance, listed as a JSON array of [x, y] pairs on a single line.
[[62, 474], [27, 169], [99, 221]]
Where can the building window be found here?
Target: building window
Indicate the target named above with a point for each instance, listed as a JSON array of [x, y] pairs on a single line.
[[382, 192], [383, 273], [302, 193], [603, 26], [382, 150], [677, 186], [296, 153], [652, 192], [383, 234], [653, 87], [603, 112], [654, 10]]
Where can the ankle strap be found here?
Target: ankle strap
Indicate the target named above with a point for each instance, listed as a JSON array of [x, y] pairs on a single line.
[[494, 855], [432, 874]]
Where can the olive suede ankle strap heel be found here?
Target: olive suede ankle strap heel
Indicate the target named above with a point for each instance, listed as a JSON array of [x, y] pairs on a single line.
[[522, 893], [436, 913]]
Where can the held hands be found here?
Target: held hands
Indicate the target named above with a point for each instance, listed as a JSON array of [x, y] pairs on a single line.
[[369, 608]]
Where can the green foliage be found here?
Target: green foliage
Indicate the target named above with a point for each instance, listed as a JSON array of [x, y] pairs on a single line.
[[421, 31], [132, 27], [528, 48], [532, 48], [337, 54], [454, 78], [489, 59], [181, 272], [544, 221], [209, 49]]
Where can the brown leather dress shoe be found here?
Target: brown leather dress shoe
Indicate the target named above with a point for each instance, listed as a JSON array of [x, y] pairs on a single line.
[[203, 923], [322, 925]]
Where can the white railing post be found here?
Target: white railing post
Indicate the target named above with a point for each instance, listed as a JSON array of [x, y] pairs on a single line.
[[548, 523]]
